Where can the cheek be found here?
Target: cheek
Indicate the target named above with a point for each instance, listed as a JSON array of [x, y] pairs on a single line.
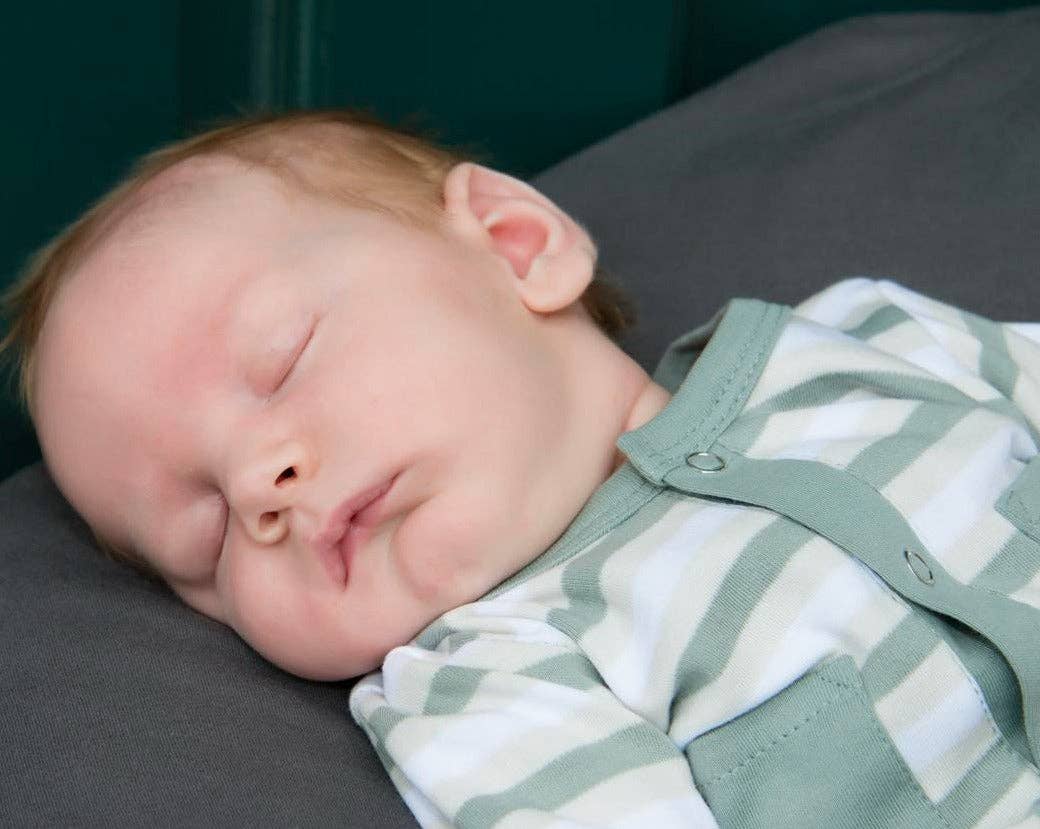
[[449, 552], [302, 627], [263, 597]]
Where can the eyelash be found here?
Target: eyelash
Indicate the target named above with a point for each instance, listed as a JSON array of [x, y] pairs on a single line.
[[294, 358], [222, 535]]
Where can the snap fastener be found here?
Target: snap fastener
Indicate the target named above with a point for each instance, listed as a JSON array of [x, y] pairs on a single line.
[[919, 567], [705, 462]]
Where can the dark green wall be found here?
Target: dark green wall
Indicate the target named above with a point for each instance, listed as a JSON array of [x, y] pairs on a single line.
[[88, 87], [527, 83]]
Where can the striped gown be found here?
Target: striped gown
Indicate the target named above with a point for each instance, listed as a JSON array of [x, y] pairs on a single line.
[[811, 597]]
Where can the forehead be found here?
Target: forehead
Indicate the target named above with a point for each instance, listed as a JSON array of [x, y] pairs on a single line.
[[167, 274], [138, 334]]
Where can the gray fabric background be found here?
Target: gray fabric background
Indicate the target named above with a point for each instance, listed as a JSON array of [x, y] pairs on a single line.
[[904, 147]]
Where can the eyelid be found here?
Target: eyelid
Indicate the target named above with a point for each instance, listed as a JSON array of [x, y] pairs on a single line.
[[295, 356], [225, 525]]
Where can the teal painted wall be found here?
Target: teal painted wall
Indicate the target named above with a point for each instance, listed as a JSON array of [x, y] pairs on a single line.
[[526, 84], [88, 87]]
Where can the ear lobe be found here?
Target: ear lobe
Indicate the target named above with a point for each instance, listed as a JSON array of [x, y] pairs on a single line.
[[551, 255]]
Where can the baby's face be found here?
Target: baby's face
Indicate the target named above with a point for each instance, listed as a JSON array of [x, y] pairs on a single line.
[[230, 376]]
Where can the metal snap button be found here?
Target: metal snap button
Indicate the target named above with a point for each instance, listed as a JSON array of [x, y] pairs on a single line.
[[919, 567], [705, 462]]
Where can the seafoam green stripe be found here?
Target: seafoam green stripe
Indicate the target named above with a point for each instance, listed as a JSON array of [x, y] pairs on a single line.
[[571, 669], [378, 726], [830, 386], [1012, 568], [581, 576], [383, 720], [570, 775], [453, 686], [898, 655], [993, 675], [995, 364], [711, 645], [444, 638], [1010, 409], [884, 318], [880, 463], [451, 689], [745, 430], [977, 792], [432, 634]]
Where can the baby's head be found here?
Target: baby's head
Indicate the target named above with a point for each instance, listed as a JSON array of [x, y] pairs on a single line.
[[266, 327]]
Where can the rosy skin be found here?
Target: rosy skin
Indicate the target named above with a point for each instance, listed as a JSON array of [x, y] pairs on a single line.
[[462, 363]]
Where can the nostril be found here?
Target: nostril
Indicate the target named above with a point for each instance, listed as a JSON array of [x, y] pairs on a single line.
[[267, 520], [287, 474]]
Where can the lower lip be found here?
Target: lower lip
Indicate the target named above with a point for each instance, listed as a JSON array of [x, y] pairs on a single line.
[[361, 526]]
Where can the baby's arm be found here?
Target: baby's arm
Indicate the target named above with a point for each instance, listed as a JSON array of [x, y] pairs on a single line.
[[519, 732]]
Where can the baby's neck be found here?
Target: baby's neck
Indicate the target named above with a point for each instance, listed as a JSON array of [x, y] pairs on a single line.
[[610, 394]]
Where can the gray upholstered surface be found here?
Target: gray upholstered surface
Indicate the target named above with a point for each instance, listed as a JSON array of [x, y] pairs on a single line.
[[121, 707], [900, 147]]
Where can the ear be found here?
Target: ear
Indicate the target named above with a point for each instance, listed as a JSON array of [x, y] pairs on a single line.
[[552, 257]]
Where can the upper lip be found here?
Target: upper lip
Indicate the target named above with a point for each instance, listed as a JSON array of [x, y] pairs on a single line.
[[335, 526]]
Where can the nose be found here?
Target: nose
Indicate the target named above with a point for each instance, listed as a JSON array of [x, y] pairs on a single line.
[[263, 490]]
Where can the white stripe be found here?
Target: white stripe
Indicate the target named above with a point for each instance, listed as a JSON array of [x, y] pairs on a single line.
[[659, 795], [1017, 806], [976, 548], [977, 483], [938, 720], [806, 350], [1024, 353], [834, 305], [743, 683], [650, 691], [833, 434], [423, 809], [939, 317], [938, 362], [1029, 593], [1029, 330], [446, 750], [944, 744], [801, 335], [662, 568], [826, 626]]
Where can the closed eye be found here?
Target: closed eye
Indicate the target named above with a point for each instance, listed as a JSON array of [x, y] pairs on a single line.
[[223, 525], [294, 357]]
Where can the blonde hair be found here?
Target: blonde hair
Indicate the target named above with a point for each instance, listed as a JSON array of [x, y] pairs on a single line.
[[348, 155]]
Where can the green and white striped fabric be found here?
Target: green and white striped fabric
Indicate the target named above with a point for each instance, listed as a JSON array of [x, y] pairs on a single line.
[[811, 597]]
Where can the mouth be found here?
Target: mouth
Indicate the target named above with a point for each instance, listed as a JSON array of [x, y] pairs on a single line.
[[349, 527]]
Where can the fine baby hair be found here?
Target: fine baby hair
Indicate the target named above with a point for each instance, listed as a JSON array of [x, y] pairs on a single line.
[[325, 397], [348, 156]]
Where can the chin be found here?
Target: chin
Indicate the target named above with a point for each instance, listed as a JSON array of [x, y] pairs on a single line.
[[325, 672], [322, 664]]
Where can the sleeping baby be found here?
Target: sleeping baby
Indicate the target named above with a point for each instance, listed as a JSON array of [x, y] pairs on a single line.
[[362, 400]]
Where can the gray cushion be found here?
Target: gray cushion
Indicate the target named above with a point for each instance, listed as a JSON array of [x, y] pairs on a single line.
[[119, 706], [906, 147]]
